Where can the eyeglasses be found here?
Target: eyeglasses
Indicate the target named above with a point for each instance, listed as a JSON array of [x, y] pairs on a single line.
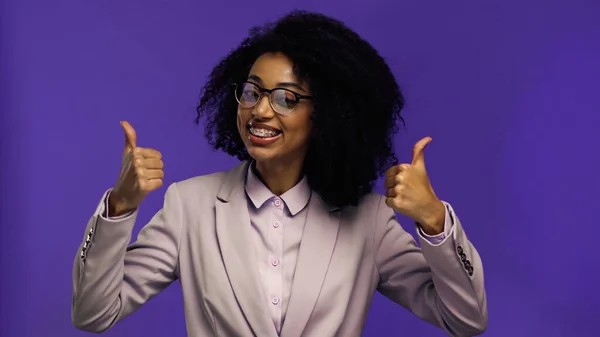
[[283, 101]]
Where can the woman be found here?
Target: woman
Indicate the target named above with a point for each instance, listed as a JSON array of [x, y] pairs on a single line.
[[291, 242]]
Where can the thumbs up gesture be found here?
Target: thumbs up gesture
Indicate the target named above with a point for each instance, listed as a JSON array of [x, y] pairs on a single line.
[[410, 193], [141, 173]]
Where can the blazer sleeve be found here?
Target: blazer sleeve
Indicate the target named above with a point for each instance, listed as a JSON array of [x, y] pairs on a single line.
[[441, 283], [111, 278]]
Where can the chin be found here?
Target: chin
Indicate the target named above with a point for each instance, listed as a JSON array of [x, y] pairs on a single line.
[[260, 154]]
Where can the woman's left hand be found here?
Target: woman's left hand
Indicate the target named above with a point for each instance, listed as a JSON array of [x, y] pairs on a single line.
[[410, 193]]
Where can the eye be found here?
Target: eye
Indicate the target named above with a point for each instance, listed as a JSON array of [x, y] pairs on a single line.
[[284, 98], [290, 98], [250, 93]]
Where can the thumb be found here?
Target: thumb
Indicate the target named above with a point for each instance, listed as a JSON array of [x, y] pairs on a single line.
[[130, 136], [418, 152]]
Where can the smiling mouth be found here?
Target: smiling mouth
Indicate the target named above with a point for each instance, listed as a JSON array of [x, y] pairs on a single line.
[[263, 131]]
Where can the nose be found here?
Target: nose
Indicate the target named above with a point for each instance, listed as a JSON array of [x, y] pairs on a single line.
[[263, 107]]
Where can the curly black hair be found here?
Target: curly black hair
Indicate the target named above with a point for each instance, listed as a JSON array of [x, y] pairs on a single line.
[[356, 104]]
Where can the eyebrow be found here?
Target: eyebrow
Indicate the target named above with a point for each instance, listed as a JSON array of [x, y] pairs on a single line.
[[280, 84]]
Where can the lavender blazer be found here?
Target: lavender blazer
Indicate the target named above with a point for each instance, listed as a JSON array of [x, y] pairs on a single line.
[[201, 237]]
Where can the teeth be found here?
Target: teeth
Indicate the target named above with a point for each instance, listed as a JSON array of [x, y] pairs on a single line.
[[264, 133]]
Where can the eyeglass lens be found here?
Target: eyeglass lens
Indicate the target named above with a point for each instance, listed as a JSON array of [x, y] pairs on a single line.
[[282, 100]]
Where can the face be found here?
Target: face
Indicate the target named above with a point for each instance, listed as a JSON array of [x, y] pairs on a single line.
[[277, 128]]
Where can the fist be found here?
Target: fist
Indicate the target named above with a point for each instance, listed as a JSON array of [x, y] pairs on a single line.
[[141, 173], [409, 192]]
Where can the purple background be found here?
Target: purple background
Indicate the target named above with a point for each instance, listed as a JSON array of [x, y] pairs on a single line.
[[507, 90]]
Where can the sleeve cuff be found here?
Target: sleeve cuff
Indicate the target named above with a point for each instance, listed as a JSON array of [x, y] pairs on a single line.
[[448, 225], [103, 211]]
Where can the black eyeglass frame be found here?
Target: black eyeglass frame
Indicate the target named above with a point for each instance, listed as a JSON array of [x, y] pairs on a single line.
[[262, 91]]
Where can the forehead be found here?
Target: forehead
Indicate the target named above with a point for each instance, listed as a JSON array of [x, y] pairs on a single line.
[[274, 68]]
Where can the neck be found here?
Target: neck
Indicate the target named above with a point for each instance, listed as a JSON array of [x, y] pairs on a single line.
[[279, 177]]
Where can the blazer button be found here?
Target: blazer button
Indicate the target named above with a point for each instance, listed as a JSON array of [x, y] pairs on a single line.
[[470, 271], [467, 264], [459, 250], [463, 257]]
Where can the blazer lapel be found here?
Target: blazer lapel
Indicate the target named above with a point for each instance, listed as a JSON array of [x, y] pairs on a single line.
[[318, 241], [234, 237]]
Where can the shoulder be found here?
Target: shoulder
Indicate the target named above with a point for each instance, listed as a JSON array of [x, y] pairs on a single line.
[[368, 207], [197, 190], [206, 183], [370, 202], [210, 186]]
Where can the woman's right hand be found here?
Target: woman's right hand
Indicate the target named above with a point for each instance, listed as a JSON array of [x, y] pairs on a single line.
[[141, 173]]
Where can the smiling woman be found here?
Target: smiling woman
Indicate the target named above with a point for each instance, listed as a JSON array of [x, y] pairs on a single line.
[[276, 131], [292, 241], [340, 137]]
